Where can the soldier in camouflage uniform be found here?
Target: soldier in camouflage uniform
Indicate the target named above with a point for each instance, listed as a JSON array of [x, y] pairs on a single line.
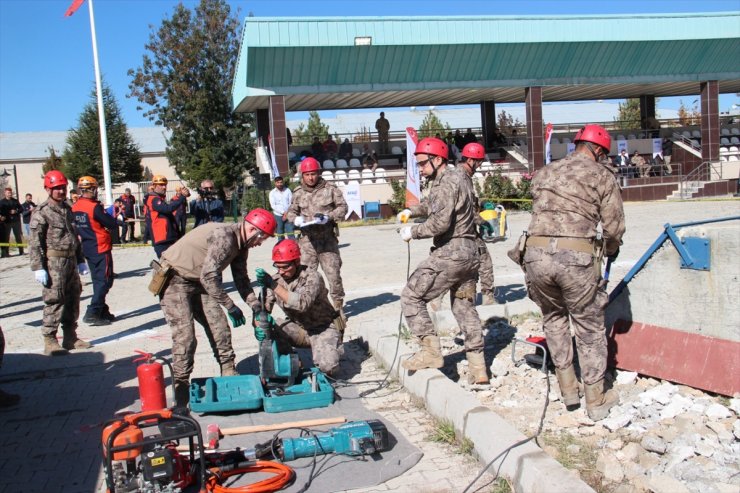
[[196, 292], [452, 265], [302, 295], [323, 205], [473, 155], [57, 262], [562, 262]]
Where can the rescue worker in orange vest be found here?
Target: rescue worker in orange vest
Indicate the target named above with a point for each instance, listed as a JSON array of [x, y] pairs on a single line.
[[94, 227], [164, 230]]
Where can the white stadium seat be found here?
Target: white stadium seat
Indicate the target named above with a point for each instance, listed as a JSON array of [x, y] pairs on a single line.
[[327, 175], [396, 150], [696, 134], [340, 176], [367, 176], [380, 175], [353, 176]]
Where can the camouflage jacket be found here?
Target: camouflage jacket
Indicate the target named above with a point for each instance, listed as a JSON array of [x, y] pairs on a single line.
[[450, 209], [324, 198], [308, 304], [205, 252], [52, 228], [572, 195]]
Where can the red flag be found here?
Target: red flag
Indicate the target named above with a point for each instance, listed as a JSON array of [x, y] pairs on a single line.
[[73, 8]]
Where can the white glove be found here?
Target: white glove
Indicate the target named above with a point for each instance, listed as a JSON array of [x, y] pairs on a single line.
[[322, 219], [404, 216], [83, 269], [406, 233], [298, 222], [42, 277]]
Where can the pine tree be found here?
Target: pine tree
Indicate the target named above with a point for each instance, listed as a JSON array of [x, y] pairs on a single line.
[[432, 125], [185, 82], [83, 156], [629, 114], [52, 162], [303, 135]]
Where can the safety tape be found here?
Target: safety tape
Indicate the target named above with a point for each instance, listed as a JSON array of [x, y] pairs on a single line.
[[14, 245]]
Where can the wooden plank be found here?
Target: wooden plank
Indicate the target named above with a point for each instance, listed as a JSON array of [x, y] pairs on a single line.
[[707, 363]]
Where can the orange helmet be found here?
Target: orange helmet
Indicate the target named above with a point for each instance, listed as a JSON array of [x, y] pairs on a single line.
[[87, 183], [263, 220], [433, 146], [310, 164], [54, 178], [286, 251], [474, 150], [159, 180]]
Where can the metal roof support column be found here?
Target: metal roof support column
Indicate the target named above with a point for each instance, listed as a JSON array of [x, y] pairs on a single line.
[[488, 122], [647, 109], [279, 136], [535, 137], [710, 120]]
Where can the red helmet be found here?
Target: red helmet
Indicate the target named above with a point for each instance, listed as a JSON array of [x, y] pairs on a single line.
[[286, 251], [595, 134], [474, 151], [263, 220], [309, 164], [54, 178], [430, 145]]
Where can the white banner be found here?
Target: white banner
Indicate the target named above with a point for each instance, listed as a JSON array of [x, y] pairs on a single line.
[[413, 187], [548, 136], [353, 197], [622, 144], [658, 148]]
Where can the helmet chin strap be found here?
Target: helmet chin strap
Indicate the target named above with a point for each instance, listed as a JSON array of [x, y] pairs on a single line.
[[249, 240], [593, 153]]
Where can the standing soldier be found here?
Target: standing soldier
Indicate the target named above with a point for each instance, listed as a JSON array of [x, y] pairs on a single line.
[[452, 265], [320, 206], [383, 126], [473, 155], [57, 262], [164, 231], [562, 262], [195, 290], [94, 227], [303, 297]]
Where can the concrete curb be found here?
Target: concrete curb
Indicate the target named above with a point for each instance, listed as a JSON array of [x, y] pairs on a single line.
[[527, 466]]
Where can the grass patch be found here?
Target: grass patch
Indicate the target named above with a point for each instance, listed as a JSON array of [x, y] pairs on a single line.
[[581, 458], [405, 332], [517, 319], [501, 485], [444, 432]]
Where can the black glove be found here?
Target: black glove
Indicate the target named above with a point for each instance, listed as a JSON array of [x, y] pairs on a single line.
[[613, 256], [236, 316]]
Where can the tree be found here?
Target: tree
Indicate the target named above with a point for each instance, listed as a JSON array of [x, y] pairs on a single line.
[[54, 161], [432, 125], [507, 123], [689, 117], [83, 156], [304, 135], [629, 114], [185, 81]]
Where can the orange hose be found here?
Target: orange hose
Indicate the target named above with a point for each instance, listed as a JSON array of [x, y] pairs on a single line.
[[283, 476]]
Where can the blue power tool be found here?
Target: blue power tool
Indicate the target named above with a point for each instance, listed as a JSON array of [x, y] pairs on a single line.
[[278, 369]]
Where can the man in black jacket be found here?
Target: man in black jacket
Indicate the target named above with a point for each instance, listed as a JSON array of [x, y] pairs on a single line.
[[10, 216]]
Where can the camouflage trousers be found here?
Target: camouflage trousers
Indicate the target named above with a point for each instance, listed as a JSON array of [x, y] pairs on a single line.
[[565, 284], [325, 344], [485, 272], [453, 267], [183, 302], [324, 251], [62, 297]]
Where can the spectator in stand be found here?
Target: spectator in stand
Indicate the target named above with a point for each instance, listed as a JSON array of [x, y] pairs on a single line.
[[288, 136], [369, 158], [653, 126], [453, 152], [383, 126], [27, 208], [317, 149], [515, 137], [642, 166], [345, 150], [280, 198], [624, 164], [470, 137], [667, 151], [459, 139], [128, 201], [330, 148]]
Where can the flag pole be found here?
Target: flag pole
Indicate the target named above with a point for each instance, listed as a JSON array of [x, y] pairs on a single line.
[[101, 113]]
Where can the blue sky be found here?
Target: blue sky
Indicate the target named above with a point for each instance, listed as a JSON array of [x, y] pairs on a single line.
[[46, 62]]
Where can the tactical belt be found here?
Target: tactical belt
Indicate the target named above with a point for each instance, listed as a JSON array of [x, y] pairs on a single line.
[[61, 253], [577, 244]]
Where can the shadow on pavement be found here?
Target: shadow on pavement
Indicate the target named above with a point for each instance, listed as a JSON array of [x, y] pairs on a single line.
[[510, 292], [360, 305]]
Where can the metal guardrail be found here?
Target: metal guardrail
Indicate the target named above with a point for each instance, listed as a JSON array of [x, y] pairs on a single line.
[[702, 173]]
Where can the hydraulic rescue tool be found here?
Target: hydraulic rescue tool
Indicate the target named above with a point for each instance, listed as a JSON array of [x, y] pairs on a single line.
[[278, 369]]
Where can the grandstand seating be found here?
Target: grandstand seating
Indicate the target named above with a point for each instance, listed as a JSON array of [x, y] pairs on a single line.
[[396, 150], [327, 175], [353, 176], [340, 176], [341, 163], [328, 164], [380, 175], [355, 163], [367, 176]]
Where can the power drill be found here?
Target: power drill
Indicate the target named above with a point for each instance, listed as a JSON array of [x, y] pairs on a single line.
[[277, 370], [353, 438]]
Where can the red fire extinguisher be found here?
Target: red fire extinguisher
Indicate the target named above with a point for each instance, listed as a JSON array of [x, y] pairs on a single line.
[[151, 382]]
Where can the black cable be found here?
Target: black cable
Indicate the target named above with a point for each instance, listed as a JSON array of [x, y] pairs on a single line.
[[517, 444]]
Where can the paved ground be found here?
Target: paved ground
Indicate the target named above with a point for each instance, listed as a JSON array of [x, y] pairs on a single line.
[[51, 441]]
